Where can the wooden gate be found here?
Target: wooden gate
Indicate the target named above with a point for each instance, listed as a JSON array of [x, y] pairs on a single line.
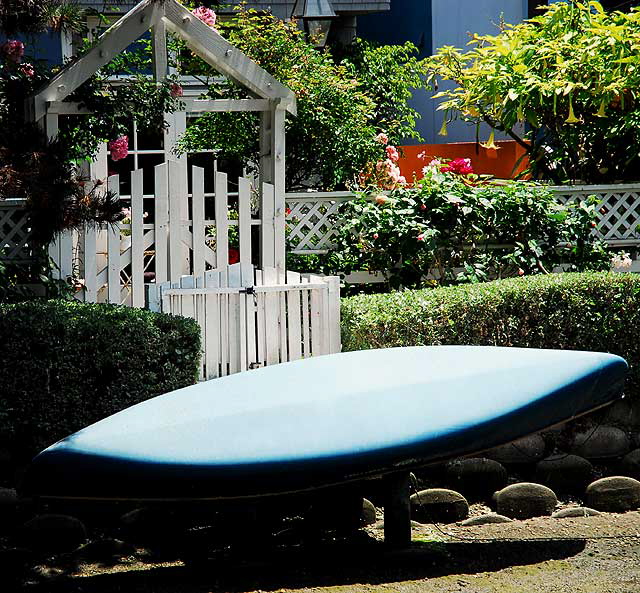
[[251, 318]]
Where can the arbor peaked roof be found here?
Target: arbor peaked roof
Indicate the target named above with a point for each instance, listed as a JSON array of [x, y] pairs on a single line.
[[199, 37]]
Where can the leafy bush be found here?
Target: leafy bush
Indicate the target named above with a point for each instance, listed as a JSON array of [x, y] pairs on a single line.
[[460, 228], [65, 365], [570, 75], [587, 311]]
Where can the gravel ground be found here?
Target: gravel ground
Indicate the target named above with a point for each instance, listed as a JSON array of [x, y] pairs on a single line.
[[575, 555]]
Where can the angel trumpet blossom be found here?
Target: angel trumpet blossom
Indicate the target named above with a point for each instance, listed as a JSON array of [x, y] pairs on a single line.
[[572, 119]]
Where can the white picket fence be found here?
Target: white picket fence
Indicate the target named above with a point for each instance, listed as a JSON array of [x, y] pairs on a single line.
[[249, 317], [255, 317]]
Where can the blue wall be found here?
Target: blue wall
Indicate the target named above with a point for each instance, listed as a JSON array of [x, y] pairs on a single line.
[[41, 46], [431, 24]]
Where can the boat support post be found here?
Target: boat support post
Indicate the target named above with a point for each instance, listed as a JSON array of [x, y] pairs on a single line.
[[397, 511]]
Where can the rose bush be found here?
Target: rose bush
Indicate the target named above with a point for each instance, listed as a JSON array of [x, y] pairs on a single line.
[[455, 226]]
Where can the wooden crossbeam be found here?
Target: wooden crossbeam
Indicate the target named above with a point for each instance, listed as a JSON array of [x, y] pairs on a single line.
[[224, 57], [114, 40]]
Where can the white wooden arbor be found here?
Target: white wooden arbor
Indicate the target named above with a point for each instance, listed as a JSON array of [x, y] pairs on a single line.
[[268, 96]]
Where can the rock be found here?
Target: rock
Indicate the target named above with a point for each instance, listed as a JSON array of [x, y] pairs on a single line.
[[368, 516], [104, 550], [486, 520], [625, 412], [615, 494], [8, 509], [574, 512], [52, 533], [150, 527], [438, 505], [526, 500], [525, 450], [601, 442], [564, 473], [630, 464], [476, 477]]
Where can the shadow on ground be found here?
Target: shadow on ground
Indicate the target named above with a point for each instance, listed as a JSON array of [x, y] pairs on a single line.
[[320, 566]]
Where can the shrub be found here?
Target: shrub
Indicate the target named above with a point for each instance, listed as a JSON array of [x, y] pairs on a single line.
[[461, 228], [65, 365], [585, 311]]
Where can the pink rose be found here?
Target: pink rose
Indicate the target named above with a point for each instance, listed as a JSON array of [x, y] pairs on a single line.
[[119, 148], [176, 90], [206, 15], [13, 50], [27, 70], [382, 138], [392, 153]]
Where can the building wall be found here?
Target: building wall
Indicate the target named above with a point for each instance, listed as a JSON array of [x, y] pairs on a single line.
[[430, 24]]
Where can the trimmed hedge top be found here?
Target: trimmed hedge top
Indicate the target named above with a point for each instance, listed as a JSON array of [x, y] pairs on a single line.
[[585, 311], [64, 365]]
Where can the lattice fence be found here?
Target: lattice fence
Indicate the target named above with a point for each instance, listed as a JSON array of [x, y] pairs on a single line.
[[14, 232], [313, 219], [619, 207]]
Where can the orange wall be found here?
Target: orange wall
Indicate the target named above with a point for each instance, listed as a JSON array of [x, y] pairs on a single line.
[[499, 163]]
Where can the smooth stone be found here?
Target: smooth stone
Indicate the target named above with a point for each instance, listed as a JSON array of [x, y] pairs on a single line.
[[564, 473], [625, 412], [53, 533], [526, 500], [615, 494], [525, 450], [487, 519], [601, 442], [438, 505], [476, 476], [9, 505], [630, 464], [150, 526], [368, 516], [575, 512]]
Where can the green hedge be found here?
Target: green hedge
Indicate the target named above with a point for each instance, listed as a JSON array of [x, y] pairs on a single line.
[[64, 365], [586, 311]]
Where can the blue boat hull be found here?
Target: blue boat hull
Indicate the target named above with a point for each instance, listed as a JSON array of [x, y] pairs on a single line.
[[324, 421]]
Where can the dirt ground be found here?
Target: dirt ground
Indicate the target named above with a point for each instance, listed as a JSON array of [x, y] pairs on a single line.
[[598, 554]]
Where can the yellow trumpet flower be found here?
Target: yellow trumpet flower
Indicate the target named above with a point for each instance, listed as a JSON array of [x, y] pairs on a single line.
[[443, 129], [490, 144], [572, 119], [601, 112]]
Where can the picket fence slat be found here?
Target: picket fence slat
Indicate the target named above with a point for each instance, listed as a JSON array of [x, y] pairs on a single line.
[[272, 318], [198, 228], [294, 325], [212, 332], [234, 315], [161, 234], [244, 220], [90, 264], [222, 220], [137, 239], [176, 268]]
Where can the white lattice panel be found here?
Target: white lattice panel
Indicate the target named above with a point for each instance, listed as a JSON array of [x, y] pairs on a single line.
[[14, 233], [313, 220], [618, 205]]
